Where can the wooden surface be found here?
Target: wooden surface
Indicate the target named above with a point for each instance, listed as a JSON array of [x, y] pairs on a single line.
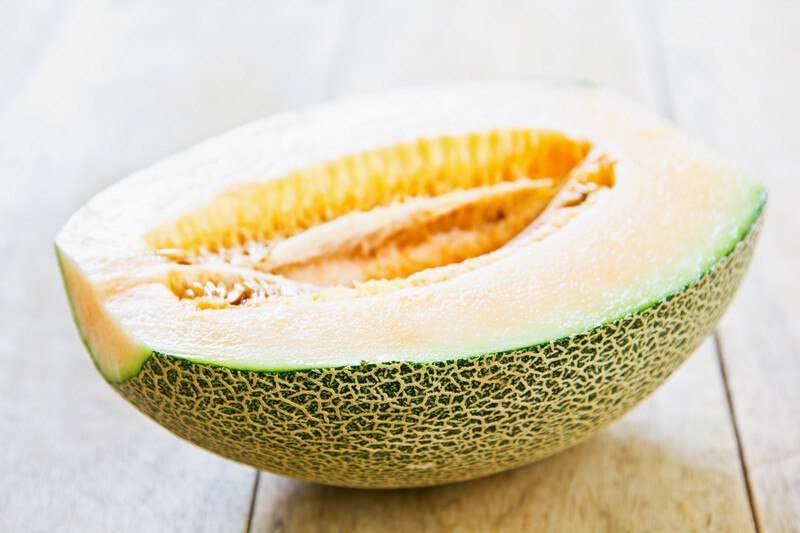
[[92, 90]]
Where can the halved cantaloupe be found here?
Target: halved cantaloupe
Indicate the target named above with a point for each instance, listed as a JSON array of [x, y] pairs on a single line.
[[412, 288]]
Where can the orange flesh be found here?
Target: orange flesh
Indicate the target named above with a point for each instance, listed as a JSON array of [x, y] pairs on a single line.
[[403, 213]]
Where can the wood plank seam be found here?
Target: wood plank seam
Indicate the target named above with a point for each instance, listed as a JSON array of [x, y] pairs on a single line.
[[735, 423], [662, 86], [249, 523]]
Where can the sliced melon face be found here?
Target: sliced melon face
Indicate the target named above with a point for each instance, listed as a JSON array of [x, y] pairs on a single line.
[[413, 288]]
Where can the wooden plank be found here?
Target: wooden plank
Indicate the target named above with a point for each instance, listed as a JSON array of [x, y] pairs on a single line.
[[672, 463], [740, 88], [119, 85], [25, 32], [417, 43]]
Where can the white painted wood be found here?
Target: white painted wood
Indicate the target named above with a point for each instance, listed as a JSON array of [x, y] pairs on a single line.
[[735, 75], [91, 90], [25, 31], [400, 44]]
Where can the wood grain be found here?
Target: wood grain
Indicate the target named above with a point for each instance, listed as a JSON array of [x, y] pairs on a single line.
[[672, 464], [739, 87], [117, 86]]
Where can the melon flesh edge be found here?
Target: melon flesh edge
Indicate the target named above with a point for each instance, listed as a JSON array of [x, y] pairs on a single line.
[[116, 353], [675, 211]]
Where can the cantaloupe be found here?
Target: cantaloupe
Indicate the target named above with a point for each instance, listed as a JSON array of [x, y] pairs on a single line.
[[412, 288]]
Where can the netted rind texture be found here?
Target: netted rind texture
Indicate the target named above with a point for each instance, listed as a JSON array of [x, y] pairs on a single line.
[[405, 424]]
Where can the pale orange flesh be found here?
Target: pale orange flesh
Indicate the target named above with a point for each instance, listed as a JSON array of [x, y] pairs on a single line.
[[381, 230]]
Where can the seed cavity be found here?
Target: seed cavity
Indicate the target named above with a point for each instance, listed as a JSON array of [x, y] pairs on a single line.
[[400, 216], [225, 286]]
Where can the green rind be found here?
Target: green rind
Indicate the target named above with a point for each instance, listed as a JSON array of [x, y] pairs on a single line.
[[409, 424], [121, 374]]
